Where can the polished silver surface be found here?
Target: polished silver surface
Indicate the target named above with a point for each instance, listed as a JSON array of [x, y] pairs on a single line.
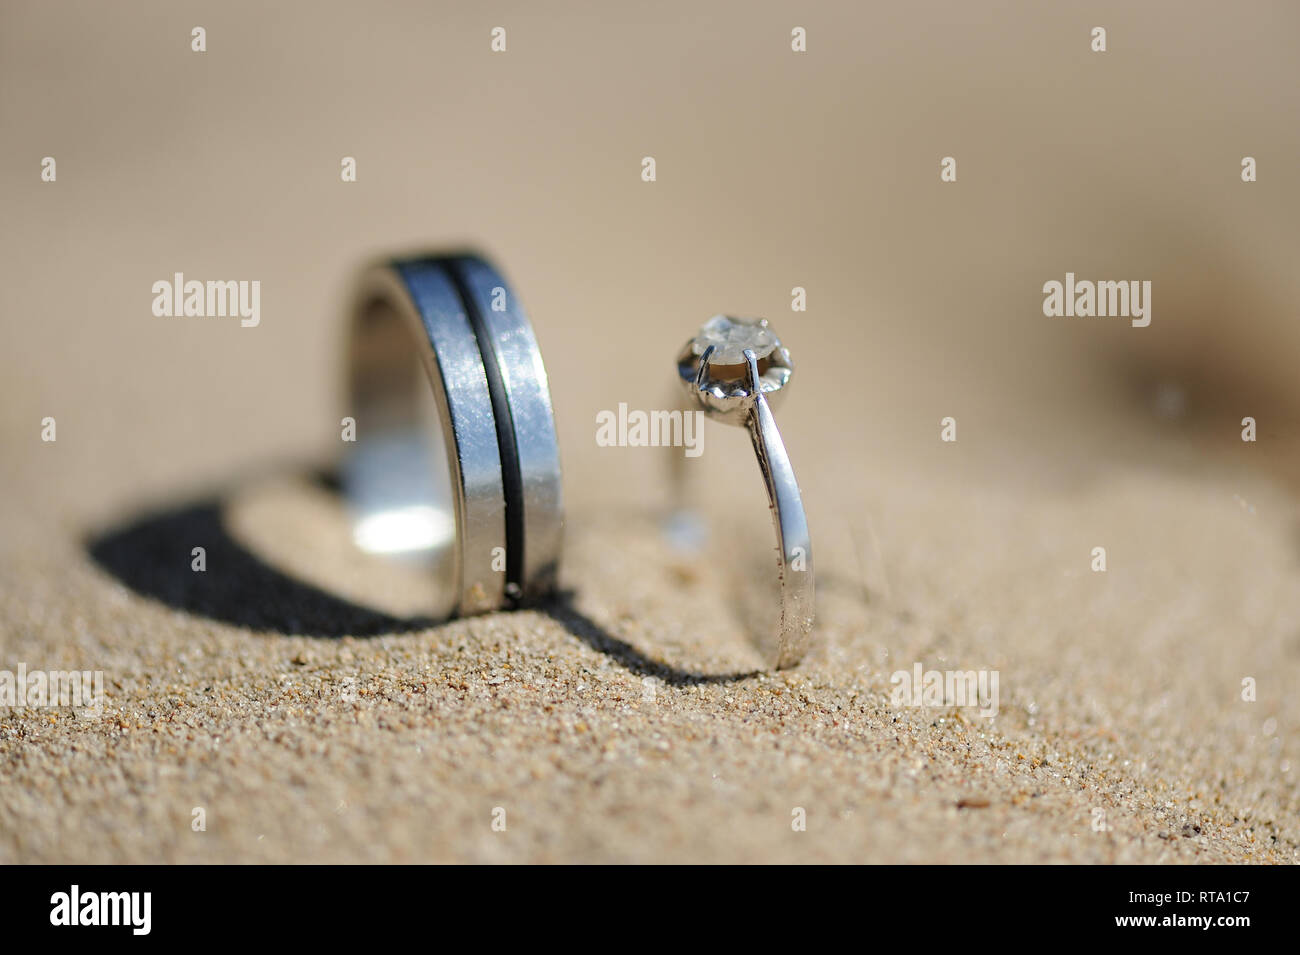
[[540, 521], [741, 394], [455, 459]]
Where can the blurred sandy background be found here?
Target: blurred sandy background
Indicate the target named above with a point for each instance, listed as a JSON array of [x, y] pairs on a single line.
[[316, 732]]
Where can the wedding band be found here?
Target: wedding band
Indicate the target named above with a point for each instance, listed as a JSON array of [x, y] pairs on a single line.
[[733, 370], [456, 462]]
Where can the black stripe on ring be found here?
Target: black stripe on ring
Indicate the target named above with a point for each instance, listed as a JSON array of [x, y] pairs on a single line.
[[512, 480]]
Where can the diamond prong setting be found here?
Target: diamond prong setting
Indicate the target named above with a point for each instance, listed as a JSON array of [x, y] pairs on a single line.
[[715, 369]]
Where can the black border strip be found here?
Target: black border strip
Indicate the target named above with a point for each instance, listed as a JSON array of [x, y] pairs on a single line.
[[258, 903]]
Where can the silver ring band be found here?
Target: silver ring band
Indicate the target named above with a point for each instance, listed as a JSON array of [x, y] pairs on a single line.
[[456, 462], [793, 542], [527, 400], [733, 370]]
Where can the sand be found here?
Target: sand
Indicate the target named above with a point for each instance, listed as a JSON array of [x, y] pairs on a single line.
[[632, 720]]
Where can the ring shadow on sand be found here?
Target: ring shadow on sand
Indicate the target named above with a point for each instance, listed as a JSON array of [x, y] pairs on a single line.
[[151, 556]]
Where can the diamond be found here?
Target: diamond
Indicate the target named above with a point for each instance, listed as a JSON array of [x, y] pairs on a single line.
[[731, 336]]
